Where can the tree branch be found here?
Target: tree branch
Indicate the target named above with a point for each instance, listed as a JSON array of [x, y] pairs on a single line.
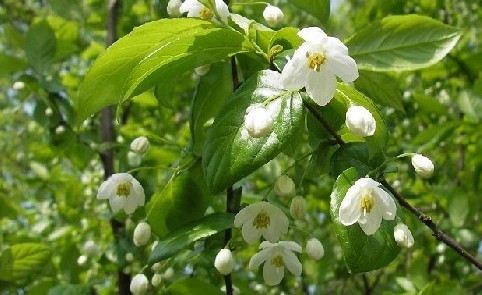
[[325, 125]]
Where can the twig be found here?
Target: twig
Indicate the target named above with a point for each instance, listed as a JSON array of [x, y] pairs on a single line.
[[325, 125], [227, 237], [366, 285]]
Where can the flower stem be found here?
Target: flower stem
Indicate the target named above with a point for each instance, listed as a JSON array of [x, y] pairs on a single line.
[[227, 237], [322, 121]]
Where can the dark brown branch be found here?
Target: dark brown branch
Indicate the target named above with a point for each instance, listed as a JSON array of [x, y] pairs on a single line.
[[366, 285], [227, 237], [436, 232], [325, 125]]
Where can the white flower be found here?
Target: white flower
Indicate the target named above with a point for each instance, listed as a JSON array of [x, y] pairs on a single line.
[[91, 248], [81, 259], [259, 122], [59, 130], [156, 266], [140, 145], [195, 9], [273, 15], [139, 284], [276, 256], [224, 261], [142, 234], [261, 219], [315, 249], [423, 165], [173, 8], [284, 186], [298, 208], [360, 121], [156, 280], [18, 85], [202, 70], [123, 191], [49, 112], [366, 203], [403, 236], [315, 65]]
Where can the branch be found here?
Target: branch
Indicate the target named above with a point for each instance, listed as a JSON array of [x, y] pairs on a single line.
[[325, 125], [436, 232], [227, 237]]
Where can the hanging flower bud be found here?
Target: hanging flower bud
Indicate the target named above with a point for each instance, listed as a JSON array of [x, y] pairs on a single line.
[[140, 145], [156, 280], [49, 112], [315, 249], [142, 234], [91, 248], [298, 208], [259, 122], [18, 85], [284, 186], [224, 261], [423, 166], [403, 236], [273, 15], [139, 284], [202, 70], [360, 121], [173, 7]]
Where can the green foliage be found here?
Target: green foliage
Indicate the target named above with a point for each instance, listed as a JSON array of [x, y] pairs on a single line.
[[21, 261], [40, 46], [192, 286]]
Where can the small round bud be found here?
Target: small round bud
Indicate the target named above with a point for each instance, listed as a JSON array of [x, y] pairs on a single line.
[[133, 159], [403, 236], [173, 8], [81, 260], [156, 280], [156, 266], [139, 284], [142, 234], [224, 261], [360, 121], [140, 145], [59, 130], [298, 208], [315, 249], [284, 186], [423, 166], [48, 111], [91, 248], [19, 85], [168, 274], [273, 15], [259, 122], [202, 70]]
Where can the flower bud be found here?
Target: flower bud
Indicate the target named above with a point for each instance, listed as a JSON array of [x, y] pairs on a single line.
[[403, 236], [139, 284], [423, 166], [298, 208], [156, 266], [81, 260], [156, 280], [129, 257], [140, 145], [173, 8], [224, 261], [133, 159], [284, 186], [48, 112], [315, 249], [259, 122], [59, 130], [202, 70], [142, 234], [273, 15], [19, 85], [360, 121], [90, 248]]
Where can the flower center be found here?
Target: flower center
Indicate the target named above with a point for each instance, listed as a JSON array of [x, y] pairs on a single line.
[[123, 189], [315, 60], [206, 13], [367, 203], [277, 261], [261, 220]]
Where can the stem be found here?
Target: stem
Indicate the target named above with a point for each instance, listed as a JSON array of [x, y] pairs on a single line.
[[325, 125], [227, 237], [366, 285], [436, 232]]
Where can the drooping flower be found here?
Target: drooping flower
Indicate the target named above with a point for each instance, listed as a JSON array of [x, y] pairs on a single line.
[[315, 65], [273, 15], [123, 191], [298, 208], [142, 234], [275, 257], [173, 7], [315, 249], [196, 9], [423, 166], [366, 203], [261, 219], [156, 280], [284, 186], [360, 121], [403, 235], [224, 261], [140, 145], [259, 122], [139, 284]]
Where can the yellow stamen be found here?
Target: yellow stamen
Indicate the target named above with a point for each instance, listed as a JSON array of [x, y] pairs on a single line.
[[206, 13], [277, 261], [123, 189], [315, 60], [367, 203], [261, 220]]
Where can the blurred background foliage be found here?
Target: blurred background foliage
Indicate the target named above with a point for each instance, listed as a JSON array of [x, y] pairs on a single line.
[[51, 167]]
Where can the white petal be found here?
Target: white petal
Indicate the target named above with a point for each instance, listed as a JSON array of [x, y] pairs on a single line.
[[250, 233], [373, 220], [107, 189], [312, 35], [278, 225], [334, 46], [138, 190], [130, 204], [294, 73], [349, 212], [259, 258], [272, 275], [222, 9], [266, 244], [389, 210], [116, 203], [293, 246], [242, 216], [343, 66], [367, 183], [292, 263], [321, 86]]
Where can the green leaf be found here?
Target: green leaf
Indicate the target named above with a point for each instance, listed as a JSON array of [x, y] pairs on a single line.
[[286, 37], [70, 289], [354, 154], [40, 46], [402, 43], [184, 236], [212, 92], [192, 286], [380, 87], [185, 198], [150, 53], [459, 209], [230, 153], [362, 253], [23, 260], [317, 8]]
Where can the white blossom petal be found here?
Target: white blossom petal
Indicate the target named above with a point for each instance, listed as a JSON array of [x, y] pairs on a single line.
[[250, 233], [259, 258], [334, 46], [294, 73], [292, 263], [293, 246], [389, 206], [116, 203], [312, 35], [106, 190], [321, 86], [343, 66], [349, 209], [272, 275], [372, 224]]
